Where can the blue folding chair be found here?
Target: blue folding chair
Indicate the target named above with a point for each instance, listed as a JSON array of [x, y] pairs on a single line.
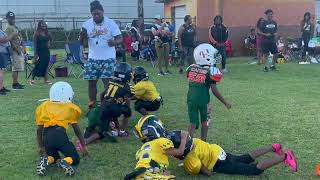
[[74, 59]]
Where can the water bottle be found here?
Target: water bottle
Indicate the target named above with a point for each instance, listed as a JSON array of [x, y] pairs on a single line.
[[270, 59]]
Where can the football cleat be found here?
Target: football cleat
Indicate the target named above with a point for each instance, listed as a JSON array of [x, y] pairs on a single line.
[[67, 168], [42, 166]]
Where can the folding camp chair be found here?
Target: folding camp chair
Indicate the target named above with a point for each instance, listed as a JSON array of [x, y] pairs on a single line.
[[74, 61]]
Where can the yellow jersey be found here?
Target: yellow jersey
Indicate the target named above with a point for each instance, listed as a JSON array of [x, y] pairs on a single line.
[[146, 91], [57, 114], [154, 151], [202, 153]]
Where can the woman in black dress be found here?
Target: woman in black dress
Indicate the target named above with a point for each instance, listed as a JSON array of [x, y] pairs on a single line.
[[41, 53]]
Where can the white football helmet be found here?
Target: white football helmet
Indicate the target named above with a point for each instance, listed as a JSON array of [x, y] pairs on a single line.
[[61, 92], [205, 54]]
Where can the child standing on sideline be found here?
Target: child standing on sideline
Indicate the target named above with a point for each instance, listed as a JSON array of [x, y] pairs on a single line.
[[201, 78], [53, 118]]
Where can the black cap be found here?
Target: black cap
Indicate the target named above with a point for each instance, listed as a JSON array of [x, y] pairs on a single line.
[[10, 14], [95, 5], [268, 11]]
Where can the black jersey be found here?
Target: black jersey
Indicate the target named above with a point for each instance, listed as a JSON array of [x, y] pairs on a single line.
[[117, 92]]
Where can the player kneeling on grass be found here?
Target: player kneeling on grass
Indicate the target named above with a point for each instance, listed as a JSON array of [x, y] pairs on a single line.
[[202, 76], [152, 158], [52, 119], [207, 158], [115, 103], [148, 98]]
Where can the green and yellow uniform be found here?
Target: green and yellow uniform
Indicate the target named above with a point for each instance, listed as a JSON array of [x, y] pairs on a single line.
[[152, 156], [198, 95], [202, 153]]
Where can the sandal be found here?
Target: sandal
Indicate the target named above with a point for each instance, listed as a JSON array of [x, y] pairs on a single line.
[[123, 133]]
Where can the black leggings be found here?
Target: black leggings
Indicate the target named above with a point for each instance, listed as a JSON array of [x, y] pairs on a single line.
[[238, 165], [305, 39], [110, 112], [147, 105], [55, 140]]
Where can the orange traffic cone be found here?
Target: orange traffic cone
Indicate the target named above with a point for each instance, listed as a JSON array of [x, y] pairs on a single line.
[[318, 170]]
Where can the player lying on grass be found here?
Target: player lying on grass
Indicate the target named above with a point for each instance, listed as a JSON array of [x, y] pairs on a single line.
[[148, 98], [207, 159], [52, 119], [202, 76], [152, 158], [114, 104]]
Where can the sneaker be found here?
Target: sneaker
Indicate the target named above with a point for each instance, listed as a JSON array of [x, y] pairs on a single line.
[[6, 90], [273, 68], [225, 71], [160, 74], [32, 82], [123, 133], [3, 92], [68, 170], [265, 69], [290, 160], [168, 72], [115, 133], [181, 71], [42, 166], [108, 136], [277, 149], [17, 86]]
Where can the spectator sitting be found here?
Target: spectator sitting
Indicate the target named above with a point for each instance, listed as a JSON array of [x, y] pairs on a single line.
[[280, 45], [229, 49], [121, 52], [318, 28], [251, 40], [127, 42], [145, 46]]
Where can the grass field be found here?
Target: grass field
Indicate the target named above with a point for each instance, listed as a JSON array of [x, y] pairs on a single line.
[[280, 106]]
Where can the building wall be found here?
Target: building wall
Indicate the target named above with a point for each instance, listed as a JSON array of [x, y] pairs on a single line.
[[191, 7], [241, 15]]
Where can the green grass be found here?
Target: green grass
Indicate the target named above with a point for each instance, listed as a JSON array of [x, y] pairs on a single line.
[[269, 107]]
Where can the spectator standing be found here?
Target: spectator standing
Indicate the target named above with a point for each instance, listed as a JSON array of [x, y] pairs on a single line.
[[16, 51], [161, 39], [268, 29], [4, 57], [307, 33], [186, 39], [218, 35], [259, 41], [102, 35], [42, 52]]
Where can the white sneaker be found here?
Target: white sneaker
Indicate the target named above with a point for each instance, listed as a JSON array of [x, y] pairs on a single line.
[[225, 71]]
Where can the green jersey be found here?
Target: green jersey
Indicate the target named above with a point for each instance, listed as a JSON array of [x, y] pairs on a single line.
[[199, 84]]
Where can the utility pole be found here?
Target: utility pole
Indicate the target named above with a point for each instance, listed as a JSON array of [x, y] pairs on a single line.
[[141, 15]]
